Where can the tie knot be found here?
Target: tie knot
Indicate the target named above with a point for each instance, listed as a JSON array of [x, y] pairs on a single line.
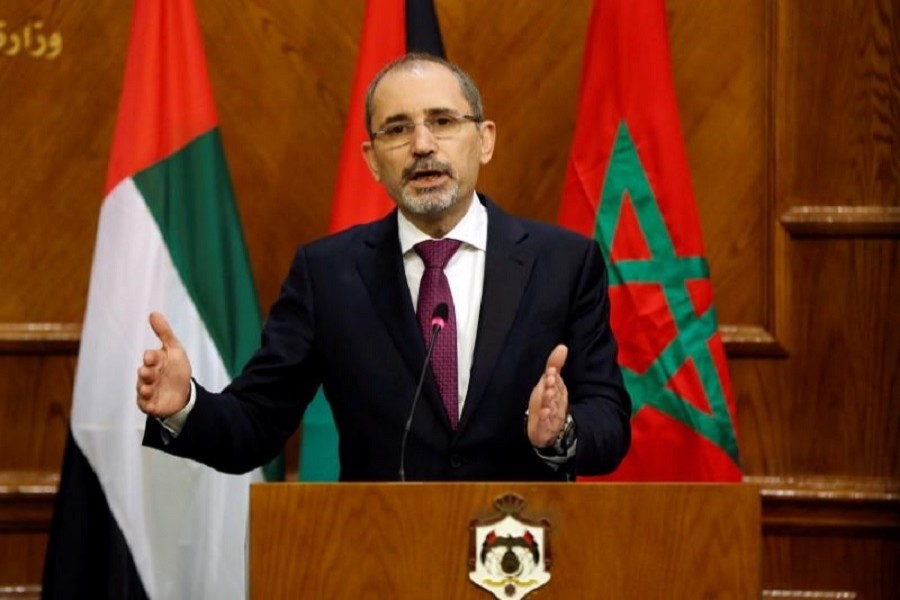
[[436, 253]]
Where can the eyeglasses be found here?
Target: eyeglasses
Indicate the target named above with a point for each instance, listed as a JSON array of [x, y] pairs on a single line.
[[441, 127]]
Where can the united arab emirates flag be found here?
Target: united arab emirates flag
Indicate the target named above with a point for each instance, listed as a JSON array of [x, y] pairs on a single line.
[[169, 240], [390, 29], [628, 186]]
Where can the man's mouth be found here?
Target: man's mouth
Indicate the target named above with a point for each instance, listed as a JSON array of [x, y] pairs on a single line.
[[427, 178], [427, 175]]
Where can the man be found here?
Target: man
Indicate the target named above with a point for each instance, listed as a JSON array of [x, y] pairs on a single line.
[[523, 304]]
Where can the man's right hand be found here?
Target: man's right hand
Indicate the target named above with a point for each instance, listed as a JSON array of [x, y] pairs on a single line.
[[164, 380]]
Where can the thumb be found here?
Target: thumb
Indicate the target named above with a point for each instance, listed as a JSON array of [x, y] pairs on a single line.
[[558, 357], [163, 331]]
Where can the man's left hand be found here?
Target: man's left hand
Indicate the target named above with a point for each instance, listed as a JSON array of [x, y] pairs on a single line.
[[549, 403]]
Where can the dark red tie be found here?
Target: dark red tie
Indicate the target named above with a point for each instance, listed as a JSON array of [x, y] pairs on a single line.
[[434, 290]]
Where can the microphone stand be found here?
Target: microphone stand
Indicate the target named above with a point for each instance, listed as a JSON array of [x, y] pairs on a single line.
[[435, 330]]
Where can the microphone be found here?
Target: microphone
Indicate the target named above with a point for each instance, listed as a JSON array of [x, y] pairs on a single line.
[[439, 317]]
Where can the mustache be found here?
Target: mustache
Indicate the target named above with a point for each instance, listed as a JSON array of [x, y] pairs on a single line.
[[426, 164]]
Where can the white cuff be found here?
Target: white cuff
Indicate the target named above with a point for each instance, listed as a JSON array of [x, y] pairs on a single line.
[[175, 423]]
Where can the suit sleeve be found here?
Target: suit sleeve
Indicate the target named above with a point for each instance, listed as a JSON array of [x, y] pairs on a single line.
[[247, 424], [598, 401]]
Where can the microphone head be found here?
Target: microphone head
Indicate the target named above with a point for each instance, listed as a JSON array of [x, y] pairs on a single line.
[[440, 315]]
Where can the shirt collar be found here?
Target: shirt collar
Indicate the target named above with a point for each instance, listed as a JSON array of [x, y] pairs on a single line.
[[471, 229]]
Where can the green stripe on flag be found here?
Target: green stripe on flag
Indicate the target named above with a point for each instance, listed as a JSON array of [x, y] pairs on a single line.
[[190, 197], [319, 444]]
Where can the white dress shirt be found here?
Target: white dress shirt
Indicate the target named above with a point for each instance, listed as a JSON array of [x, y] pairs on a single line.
[[465, 273]]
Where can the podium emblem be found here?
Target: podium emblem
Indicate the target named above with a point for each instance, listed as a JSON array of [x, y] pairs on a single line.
[[509, 555]]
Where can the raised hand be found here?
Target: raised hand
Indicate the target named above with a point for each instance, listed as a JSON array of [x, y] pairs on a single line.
[[164, 378], [549, 403]]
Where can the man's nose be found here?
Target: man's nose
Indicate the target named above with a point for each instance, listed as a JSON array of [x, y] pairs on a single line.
[[423, 141]]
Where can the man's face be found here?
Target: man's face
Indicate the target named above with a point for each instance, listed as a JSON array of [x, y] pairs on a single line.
[[427, 175]]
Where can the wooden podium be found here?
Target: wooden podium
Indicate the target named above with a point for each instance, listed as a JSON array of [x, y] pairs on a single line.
[[412, 540]]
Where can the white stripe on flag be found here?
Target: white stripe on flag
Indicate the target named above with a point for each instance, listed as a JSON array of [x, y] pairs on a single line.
[[185, 523]]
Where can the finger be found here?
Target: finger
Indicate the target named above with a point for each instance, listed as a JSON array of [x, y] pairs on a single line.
[[147, 375], [163, 331], [145, 394], [551, 377], [545, 419], [152, 358], [557, 358], [560, 385], [548, 396]]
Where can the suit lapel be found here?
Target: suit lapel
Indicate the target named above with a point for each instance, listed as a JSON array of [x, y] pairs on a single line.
[[507, 269], [381, 269]]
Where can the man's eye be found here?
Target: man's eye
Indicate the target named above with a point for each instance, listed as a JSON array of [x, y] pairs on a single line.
[[443, 121], [395, 130]]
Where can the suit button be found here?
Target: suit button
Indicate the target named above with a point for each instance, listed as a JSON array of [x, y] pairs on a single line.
[[456, 461]]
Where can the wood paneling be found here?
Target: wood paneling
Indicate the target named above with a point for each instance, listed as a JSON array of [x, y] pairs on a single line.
[[695, 541], [56, 120], [836, 95], [864, 565], [793, 138], [26, 508], [721, 65], [35, 396]]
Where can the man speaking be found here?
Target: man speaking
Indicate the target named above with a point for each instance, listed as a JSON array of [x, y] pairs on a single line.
[[454, 342]]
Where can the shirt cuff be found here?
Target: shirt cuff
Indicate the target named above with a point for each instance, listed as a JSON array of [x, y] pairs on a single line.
[[175, 423]]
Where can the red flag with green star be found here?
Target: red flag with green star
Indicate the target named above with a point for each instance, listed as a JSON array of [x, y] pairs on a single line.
[[628, 186]]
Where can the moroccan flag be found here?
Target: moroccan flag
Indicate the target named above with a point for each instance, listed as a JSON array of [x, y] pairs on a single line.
[[390, 29], [169, 239], [628, 186]]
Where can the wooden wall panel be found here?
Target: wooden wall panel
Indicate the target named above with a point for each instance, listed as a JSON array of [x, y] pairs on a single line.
[[56, 120], [35, 396], [832, 407], [721, 61], [789, 116], [837, 102], [22, 557], [862, 565]]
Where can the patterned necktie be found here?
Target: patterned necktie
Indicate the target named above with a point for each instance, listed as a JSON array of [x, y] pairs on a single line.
[[434, 290]]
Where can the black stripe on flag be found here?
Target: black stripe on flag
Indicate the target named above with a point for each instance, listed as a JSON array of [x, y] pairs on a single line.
[[423, 34], [87, 556]]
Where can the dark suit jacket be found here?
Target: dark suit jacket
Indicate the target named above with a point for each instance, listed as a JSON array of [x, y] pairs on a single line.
[[345, 319]]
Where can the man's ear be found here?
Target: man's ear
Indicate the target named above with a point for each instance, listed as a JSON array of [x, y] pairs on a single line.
[[368, 152], [488, 133]]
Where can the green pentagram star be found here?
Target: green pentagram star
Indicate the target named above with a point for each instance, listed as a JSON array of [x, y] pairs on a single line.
[[626, 177]]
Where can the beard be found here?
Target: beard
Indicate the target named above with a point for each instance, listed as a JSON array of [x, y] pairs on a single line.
[[431, 200]]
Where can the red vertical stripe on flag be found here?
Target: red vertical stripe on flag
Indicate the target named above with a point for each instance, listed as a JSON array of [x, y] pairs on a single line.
[[358, 198], [166, 98]]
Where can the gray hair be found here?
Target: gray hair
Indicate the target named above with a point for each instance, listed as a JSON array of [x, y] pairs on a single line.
[[466, 84]]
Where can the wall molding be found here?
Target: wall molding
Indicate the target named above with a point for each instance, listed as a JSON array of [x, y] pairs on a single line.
[[64, 338], [20, 592], [842, 221], [26, 500], [751, 341], [39, 338], [810, 594], [827, 505]]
